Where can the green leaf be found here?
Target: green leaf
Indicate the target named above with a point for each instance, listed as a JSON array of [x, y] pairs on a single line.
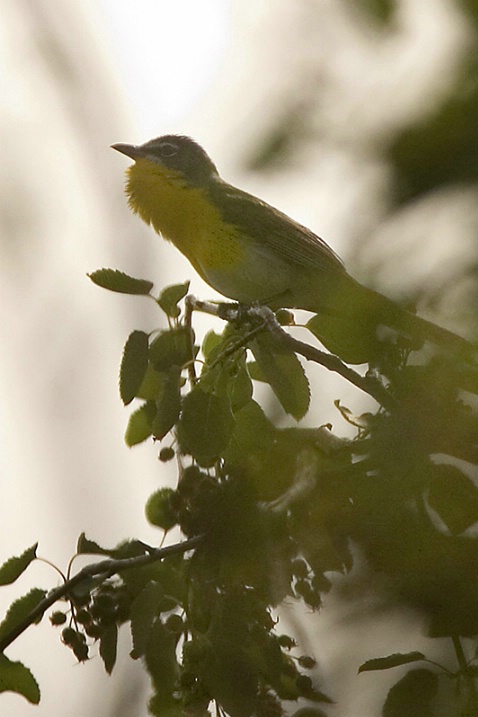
[[231, 678], [15, 677], [240, 387], [284, 373], [266, 654], [133, 365], [161, 661], [343, 338], [108, 647], [140, 424], [85, 546], [168, 403], [81, 593], [159, 511], [317, 696], [253, 437], [412, 695], [144, 610], [228, 377], [14, 567], [158, 707], [151, 385], [115, 280], [171, 296], [395, 660], [255, 372], [454, 496], [21, 609], [205, 426], [171, 348], [126, 549], [212, 344]]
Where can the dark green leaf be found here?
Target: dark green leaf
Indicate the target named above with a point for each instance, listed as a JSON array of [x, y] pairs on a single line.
[[158, 706], [15, 677], [115, 280], [342, 337], [128, 549], [318, 696], [454, 497], [140, 424], [159, 511], [309, 712], [284, 373], [14, 567], [231, 679], [429, 154], [228, 377], [253, 436], [240, 387], [206, 425], [144, 610], [412, 695], [382, 11], [89, 547], [395, 660], [171, 296], [133, 365], [108, 647], [81, 593], [161, 660], [168, 403], [171, 348], [21, 609], [267, 655]]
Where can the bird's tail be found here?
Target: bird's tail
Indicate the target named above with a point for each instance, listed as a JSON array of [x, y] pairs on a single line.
[[349, 317], [445, 339], [383, 310]]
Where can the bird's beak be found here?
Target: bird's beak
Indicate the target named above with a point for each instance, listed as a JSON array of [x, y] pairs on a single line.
[[130, 150]]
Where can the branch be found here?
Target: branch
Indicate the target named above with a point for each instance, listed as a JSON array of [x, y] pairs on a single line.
[[105, 568], [236, 312]]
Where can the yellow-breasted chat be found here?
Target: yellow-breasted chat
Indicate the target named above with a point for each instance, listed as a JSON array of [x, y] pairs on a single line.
[[252, 253]]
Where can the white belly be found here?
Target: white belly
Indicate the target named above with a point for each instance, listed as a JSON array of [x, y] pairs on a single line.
[[250, 281]]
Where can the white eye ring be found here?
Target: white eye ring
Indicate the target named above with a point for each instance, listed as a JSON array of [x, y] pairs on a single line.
[[168, 149]]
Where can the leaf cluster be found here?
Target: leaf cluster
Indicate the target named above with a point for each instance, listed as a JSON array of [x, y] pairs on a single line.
[[275, 513]]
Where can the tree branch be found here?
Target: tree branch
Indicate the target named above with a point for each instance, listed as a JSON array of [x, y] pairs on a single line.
[[105, 568], [236, 312]]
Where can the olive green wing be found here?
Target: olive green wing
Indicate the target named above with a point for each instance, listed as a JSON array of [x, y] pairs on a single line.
[[286, 238]]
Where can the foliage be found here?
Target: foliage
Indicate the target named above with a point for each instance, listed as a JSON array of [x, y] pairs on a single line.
[[269, 514]]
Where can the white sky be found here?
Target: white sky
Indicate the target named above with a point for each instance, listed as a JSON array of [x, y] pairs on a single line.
[[166, 53]]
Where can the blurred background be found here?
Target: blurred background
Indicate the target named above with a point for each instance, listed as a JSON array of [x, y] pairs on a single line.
[[356, 117]]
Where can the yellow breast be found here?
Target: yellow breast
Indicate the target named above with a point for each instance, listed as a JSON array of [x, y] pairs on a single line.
[[236, 265], [182, 214]]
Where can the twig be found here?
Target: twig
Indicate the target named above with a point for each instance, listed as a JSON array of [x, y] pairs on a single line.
[[189, 303], [235, 312], [105, 568], [469, 679], [331, 362]]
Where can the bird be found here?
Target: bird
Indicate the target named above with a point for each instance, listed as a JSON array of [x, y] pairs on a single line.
[[253, 253]]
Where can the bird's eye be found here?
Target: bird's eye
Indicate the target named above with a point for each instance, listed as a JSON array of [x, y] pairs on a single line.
[[168, 149]]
